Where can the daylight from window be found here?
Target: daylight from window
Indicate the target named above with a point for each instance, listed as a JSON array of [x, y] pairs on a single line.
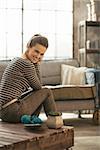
[[21, 19]]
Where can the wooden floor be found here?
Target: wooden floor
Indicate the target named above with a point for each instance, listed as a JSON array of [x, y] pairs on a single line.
[[17, 137]]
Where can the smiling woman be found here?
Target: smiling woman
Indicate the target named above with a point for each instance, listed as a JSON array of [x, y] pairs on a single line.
[[36, 48], [36, 53], [21, 91]]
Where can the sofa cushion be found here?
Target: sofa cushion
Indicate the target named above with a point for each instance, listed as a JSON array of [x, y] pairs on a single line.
[[51, 70], [73, 92], [90, 76], [71, 75]]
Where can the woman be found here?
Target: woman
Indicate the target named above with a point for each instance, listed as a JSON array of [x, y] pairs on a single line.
[[20, 88]]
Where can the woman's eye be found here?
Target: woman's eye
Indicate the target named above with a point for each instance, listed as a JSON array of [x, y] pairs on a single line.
[[36, 51], [42, 54]]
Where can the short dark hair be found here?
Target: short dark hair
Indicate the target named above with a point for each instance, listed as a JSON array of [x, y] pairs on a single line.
[[37, 39]]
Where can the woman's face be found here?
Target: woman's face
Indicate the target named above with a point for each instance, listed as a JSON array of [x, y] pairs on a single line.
[[36, 53]]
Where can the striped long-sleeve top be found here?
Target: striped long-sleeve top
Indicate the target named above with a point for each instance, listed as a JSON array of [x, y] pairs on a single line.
[[19, 75]]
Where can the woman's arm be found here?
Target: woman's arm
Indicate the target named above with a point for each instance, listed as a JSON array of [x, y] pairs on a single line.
[[37, 67], [33, 77]]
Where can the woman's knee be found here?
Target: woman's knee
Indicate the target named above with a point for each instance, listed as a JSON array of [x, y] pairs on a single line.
[[46, 90]]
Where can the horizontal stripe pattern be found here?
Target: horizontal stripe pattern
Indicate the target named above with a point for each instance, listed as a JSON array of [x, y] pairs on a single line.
[[19, 75]]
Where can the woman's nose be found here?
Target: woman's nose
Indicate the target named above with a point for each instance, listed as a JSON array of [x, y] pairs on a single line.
[[39, 55]]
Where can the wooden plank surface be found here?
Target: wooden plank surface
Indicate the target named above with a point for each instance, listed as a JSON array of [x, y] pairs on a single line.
[[17, 137]]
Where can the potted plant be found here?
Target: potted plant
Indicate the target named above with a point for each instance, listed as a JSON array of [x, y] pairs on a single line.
[[54, 120]]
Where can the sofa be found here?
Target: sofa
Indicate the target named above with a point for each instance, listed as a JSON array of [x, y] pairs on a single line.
[[69, 96], [73, 97]]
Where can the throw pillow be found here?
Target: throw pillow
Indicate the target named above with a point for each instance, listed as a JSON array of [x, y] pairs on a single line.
[[71, 75]]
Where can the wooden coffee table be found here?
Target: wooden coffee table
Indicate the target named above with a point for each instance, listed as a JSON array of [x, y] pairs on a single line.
[[17, 137]]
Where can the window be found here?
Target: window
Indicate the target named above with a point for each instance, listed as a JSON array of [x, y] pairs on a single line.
[[21, 19]]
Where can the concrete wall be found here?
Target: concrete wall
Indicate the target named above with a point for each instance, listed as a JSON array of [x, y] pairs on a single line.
[[80, 13]]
